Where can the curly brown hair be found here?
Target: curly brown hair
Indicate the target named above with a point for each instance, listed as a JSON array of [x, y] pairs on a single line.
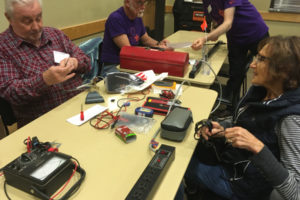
[[284, 59]]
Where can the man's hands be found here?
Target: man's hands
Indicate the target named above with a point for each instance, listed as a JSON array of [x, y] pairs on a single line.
[[62, 72], [164, 44]]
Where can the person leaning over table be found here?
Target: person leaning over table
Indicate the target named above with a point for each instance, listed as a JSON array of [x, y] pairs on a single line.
[[124, 27], [244, 28], [266, 125], [29, 78]]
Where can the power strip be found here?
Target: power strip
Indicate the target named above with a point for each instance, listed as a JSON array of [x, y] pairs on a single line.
[[146, 185]]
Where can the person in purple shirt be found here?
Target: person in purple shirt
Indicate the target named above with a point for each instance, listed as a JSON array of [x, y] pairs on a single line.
[[124, 27], [244, 28]]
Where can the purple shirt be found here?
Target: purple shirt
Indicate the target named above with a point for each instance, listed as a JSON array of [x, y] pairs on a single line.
[[21, 68], [117, 24], [247, 27]]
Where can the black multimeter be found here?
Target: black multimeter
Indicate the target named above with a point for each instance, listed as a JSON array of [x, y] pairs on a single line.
[[39, 170]]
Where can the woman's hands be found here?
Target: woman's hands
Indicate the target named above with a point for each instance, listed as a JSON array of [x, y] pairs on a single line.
[[198, 44], [237, 136], [243, 139], [217, 130]]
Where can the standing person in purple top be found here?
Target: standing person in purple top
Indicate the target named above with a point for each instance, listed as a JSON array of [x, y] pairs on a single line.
[[124, 27], [30, 79], [244, 28]]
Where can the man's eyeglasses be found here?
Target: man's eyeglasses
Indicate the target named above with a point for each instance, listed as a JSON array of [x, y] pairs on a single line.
[[259, 58], [142, 3]]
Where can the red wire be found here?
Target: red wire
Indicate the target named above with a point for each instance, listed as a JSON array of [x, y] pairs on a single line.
[[100, 119], [65, 183], [29, 144]]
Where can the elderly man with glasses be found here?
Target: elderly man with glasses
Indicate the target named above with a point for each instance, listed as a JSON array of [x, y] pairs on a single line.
[[31, 79], [124, 27]]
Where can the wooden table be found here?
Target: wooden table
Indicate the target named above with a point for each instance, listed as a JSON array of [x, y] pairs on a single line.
[[112, 167]]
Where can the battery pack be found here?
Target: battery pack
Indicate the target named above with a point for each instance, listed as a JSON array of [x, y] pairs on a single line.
[[145, 112]]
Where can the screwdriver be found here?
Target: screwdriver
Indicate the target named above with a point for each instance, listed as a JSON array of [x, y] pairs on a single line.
[[81, 113]]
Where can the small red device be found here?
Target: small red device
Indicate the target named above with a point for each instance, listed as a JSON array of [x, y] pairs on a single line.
[[125, 134], [169, 94]]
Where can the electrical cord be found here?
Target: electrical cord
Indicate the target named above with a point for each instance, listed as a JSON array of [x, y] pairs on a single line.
[[220, 87], [5, 190], [84, 86], [153, 144]]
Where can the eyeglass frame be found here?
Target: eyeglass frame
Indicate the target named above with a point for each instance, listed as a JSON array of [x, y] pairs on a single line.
[[260, 58], [140, 3]]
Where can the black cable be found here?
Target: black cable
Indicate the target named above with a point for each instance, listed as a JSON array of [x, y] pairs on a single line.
[[117, 116], [5, 190]]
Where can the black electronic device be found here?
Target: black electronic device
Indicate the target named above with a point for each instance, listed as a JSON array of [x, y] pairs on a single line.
[[41, 172], [94, 97], [199, 125], [197, 66], [163, 83], [148, 182]]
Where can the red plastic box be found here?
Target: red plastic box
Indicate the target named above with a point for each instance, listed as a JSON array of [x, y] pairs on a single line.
[[144, 58]]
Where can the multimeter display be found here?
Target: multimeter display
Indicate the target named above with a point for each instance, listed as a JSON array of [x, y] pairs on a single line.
[[47, 168]]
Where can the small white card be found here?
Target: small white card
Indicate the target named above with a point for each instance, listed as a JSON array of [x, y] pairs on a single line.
[[88, 114], [59, 56], [113, 103]]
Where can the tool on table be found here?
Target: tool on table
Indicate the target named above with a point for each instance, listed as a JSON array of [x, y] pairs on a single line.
[[81, 113], [197, 65]]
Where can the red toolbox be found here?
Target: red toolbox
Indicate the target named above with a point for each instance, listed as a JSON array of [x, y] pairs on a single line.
[[144, 58]]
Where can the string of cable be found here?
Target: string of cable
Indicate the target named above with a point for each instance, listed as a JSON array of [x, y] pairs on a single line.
[[219, 84], [84, 86], [153, 143]]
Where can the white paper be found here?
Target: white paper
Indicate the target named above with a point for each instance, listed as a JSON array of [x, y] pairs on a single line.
[[88, 114], [180, 45], [112, 103], [59, 56], [149, 77]]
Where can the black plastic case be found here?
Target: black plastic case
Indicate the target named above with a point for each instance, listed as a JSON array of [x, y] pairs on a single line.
[[175, 125]]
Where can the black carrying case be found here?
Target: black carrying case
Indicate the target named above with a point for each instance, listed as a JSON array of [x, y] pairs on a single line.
[[176, 124], [189, 16]]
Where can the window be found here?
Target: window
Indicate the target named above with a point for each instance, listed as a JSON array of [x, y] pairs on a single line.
[[285, 6]]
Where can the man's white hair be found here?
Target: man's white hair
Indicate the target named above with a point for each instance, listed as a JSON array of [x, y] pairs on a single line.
[[9, 4]]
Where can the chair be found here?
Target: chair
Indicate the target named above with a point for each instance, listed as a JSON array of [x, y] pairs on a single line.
[[7, 116], [92, 48]]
